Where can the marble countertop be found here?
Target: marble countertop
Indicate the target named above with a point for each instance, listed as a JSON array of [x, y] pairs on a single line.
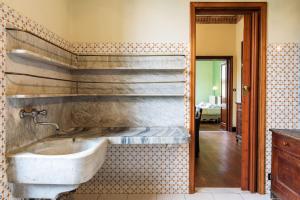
[[126, 135], [294, 133]]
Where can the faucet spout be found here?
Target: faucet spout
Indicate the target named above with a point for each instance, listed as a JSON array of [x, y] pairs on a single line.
[[49, 123], [34, 114], [45, 123]]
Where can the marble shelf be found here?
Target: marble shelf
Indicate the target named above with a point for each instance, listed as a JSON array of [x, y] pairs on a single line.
[[30, 55], [133, 68], [23, 53], [31, 96], [126, 135]]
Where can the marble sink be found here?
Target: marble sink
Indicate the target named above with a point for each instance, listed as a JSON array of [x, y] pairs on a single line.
[[54, 165]]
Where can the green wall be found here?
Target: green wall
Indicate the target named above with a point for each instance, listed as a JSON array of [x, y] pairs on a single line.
[[208, 74]]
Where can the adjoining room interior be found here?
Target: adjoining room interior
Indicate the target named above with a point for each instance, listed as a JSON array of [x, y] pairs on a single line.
[[208, 92], [218, 94]]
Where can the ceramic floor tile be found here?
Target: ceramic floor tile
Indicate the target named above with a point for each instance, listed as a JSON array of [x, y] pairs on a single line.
[[141, 197], [113, 197], [219, 190], [199, 196], [227, 196], [255, 197], [86, 196], [170, 197]]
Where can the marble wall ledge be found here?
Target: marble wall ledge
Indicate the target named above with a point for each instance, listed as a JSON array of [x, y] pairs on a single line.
[[133, 68], [142, 62], [104, 65], [39, 58], [139, 135], [31, 96], [22, 39], [24, 44], [138, 88]]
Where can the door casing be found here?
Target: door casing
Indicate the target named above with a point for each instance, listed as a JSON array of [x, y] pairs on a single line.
[[254, 147]]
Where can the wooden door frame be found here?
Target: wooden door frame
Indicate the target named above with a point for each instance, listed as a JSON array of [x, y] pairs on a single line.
[[229, 92], [256, 142]]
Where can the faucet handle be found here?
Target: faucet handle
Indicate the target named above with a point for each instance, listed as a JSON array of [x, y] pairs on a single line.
[[22, 113], [42, 112], [34, 113]]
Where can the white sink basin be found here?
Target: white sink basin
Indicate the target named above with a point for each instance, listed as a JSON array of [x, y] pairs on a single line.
[[63, 147], [49, 167]]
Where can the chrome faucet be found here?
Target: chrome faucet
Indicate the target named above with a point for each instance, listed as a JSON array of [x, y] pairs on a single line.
[[34, 114]]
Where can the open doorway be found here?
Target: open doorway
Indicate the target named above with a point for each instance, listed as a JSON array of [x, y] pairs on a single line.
[[214, 83], [252, 97], [218, 154]]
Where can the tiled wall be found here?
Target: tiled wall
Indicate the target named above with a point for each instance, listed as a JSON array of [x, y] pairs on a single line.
[[283, 76], [138, 169], [4, 190]]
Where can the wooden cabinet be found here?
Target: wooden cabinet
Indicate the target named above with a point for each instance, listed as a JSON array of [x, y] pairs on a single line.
[[286, 165], [238, 122]]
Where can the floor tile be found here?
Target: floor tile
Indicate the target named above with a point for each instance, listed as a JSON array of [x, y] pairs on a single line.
[[86, 196], [255, 197], [141, 197], [199, 196], [170, 197], [220, 190], [113, 197], [227, 196]]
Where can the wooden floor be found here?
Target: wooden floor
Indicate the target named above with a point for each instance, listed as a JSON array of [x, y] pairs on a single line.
[[219, 162], [210, 127]]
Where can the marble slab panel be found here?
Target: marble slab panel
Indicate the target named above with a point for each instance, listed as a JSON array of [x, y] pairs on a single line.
[[130, 82], [136, 88], [21, 132], [27, 41], [128, 75], [36, 57], [131, 62], [128, 111], [128, 135], [19, 84]]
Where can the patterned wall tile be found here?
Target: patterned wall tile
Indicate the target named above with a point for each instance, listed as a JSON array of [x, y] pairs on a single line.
[[283, 70], [109, 48], [4, 189], [141, 169]]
